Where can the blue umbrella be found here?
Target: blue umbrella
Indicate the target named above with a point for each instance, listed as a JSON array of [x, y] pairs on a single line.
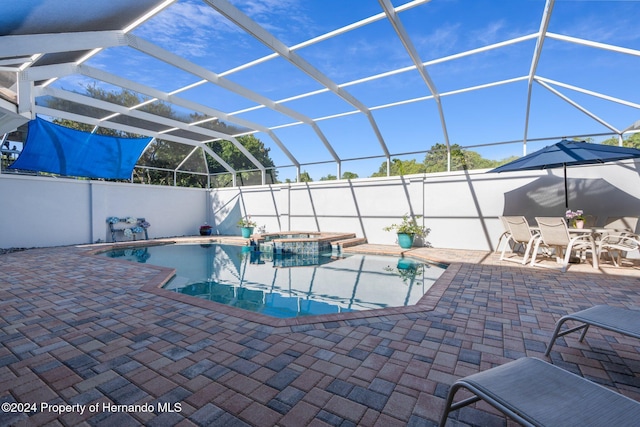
[[569, 153]]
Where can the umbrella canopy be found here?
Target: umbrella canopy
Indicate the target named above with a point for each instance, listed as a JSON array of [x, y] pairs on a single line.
[[569, 153]]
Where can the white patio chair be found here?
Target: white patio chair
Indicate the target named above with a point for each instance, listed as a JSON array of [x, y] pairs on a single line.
[[619, 238], [554, 234], [520, 234], [622, 223], [504, 236], [590, 221]]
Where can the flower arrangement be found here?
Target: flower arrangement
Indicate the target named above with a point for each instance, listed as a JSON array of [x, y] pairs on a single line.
[[246, 222], [574, 216], [409, 225]]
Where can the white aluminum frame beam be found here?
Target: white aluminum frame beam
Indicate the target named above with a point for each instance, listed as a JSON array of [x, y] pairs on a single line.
[[598, 45], [255, 30], [156, 94], [179, 62], [326, 36], [402, 34], [578, 106], [395, 72], [30, 44], [544, 24], [589, 92]]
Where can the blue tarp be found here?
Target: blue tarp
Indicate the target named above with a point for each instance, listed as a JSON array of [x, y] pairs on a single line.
[[57, 149]]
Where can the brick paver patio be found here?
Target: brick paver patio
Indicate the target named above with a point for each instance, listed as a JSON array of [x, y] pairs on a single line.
[[81, 331]]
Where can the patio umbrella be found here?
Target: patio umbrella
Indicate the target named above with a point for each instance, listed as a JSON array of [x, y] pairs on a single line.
[[569, 153]]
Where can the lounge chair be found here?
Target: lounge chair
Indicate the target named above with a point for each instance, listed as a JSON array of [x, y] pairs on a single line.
[[519, 233], [554, 234], [621, 320], [537, 393]]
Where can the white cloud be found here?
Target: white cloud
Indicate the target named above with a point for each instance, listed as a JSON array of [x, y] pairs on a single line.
[[492, 32], [441, 41], [187, 28]]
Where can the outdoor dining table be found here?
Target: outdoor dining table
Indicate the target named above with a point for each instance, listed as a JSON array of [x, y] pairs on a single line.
[[596, 232]]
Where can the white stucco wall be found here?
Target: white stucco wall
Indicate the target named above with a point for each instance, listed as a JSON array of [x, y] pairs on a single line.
[[40, 211], [460, 208]]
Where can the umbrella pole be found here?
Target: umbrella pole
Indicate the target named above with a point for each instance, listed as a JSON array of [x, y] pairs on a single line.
[[566, 194]]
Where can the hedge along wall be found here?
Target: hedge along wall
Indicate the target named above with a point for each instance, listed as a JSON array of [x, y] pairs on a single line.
[[460, 208]]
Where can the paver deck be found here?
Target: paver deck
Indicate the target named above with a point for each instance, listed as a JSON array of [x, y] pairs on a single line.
[[96, 333]]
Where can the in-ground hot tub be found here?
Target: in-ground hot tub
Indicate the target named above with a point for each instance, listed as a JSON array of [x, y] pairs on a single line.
[[300, 242]]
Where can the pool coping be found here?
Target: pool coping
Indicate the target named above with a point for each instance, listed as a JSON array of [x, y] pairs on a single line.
[[154, 286]]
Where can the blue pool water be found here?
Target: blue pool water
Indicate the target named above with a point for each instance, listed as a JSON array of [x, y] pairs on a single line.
[[289, 286]]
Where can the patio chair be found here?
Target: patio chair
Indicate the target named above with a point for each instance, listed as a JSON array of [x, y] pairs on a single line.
[[520, 234], [536, 393], [622, 223], [504, 236], [590, 221], [617, 245], [620, 240], [554, 234]]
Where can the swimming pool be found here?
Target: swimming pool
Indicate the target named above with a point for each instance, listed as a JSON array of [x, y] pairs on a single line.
[[289, 286]]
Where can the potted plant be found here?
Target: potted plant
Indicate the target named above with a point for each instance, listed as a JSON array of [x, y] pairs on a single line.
[[246, 226], [407, 230], [576, 218], [205, 230]]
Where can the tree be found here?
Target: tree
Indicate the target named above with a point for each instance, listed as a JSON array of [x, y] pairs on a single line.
[[632, 141], [345, 175], [237, 160], [461, 159], [329, 177], [349, 175], [400, 167], [305, 177], [436, 159]]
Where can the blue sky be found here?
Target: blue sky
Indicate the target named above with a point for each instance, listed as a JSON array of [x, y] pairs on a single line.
[[437, 29]]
